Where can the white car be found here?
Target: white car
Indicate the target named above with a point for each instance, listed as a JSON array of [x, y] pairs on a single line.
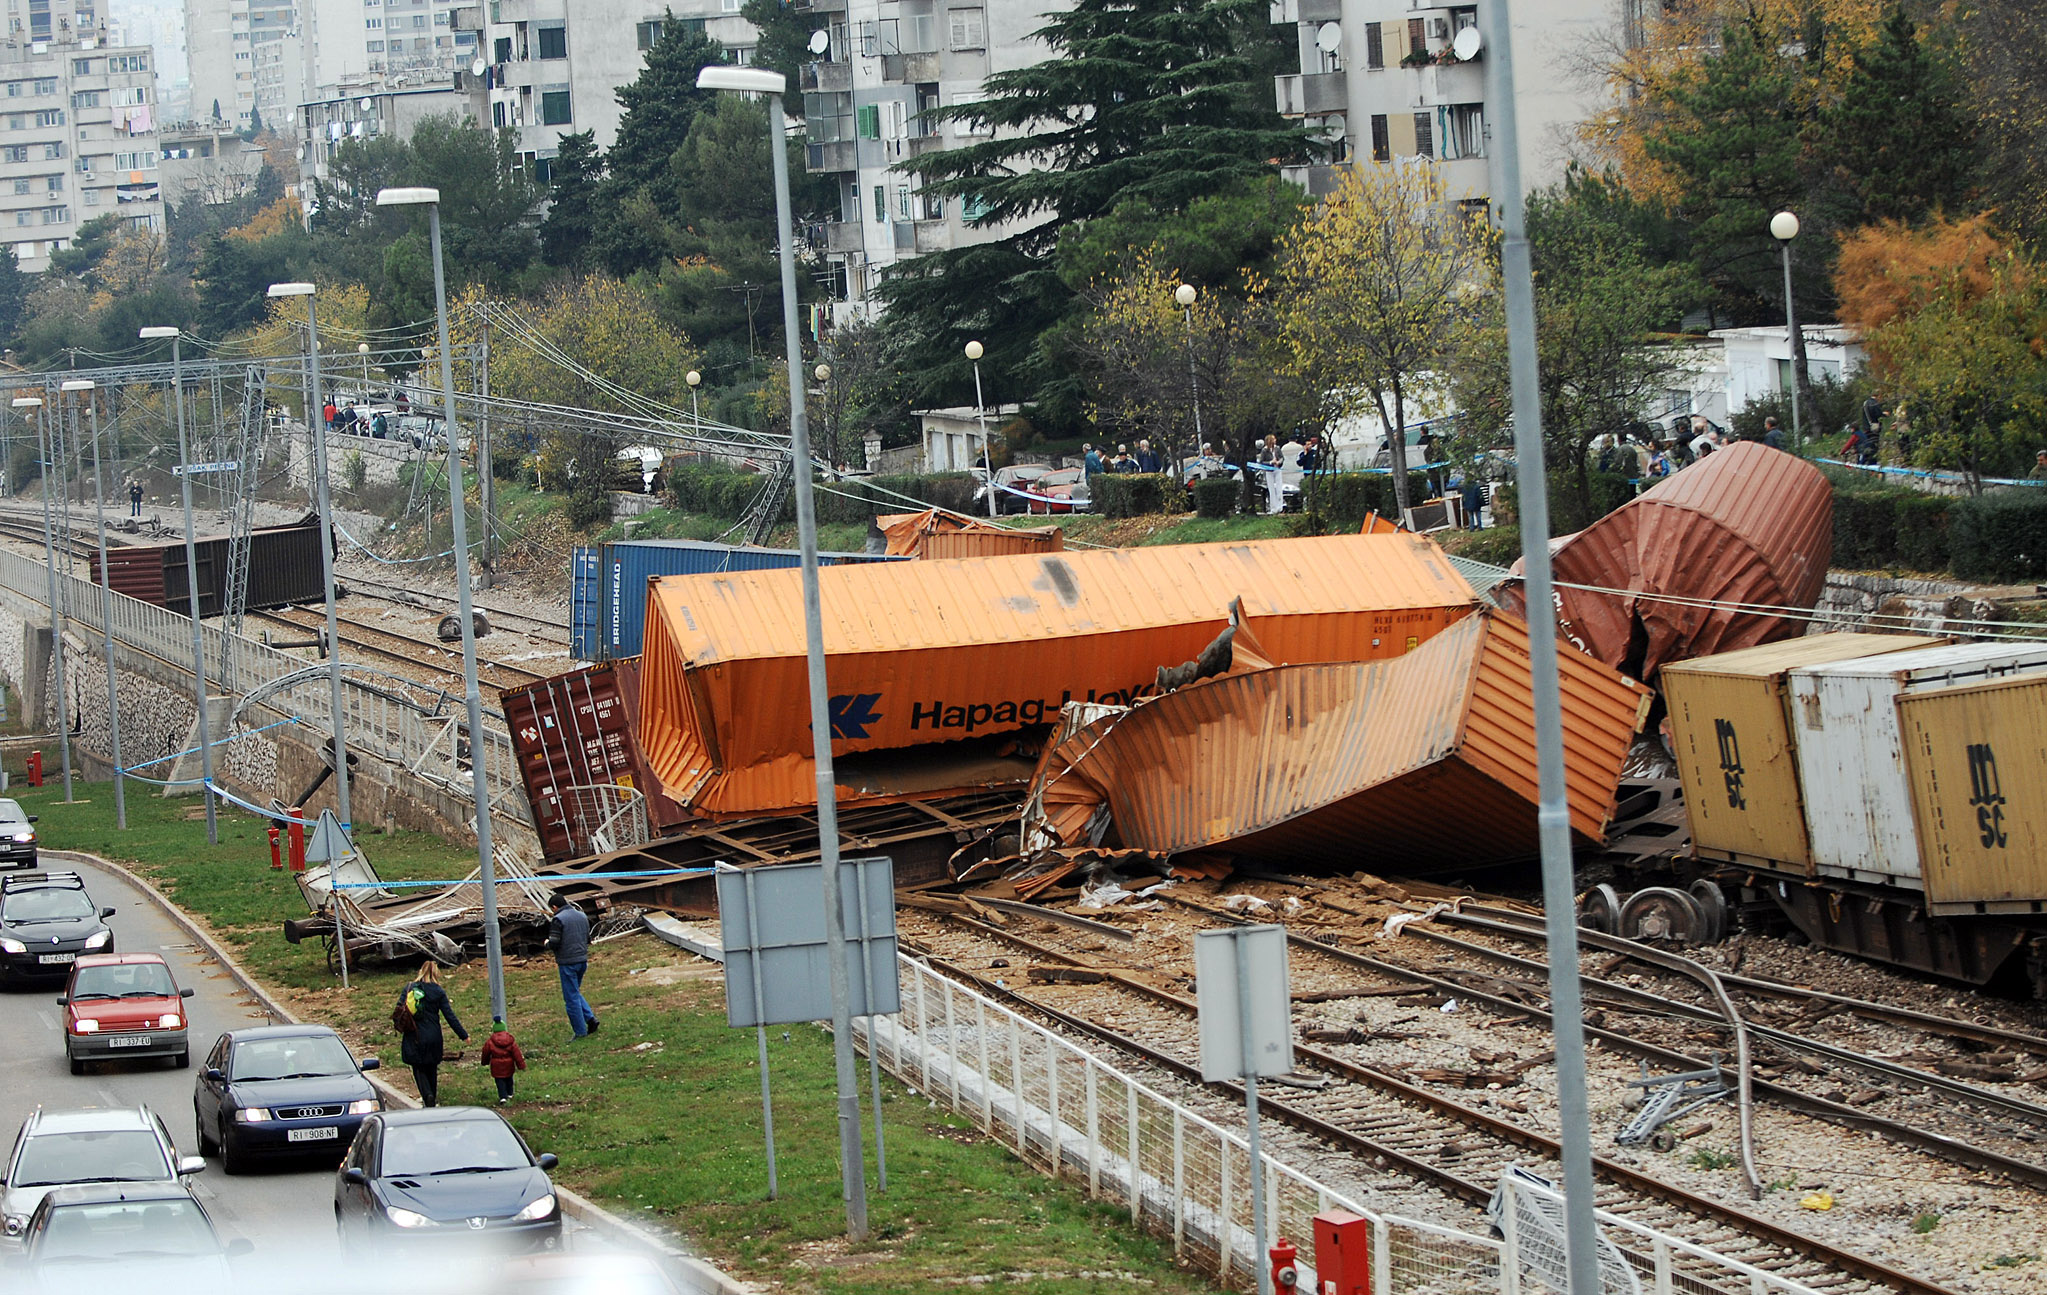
[[94, 1145]]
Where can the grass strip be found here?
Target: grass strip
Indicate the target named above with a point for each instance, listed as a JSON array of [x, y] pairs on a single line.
[[658, 1114]]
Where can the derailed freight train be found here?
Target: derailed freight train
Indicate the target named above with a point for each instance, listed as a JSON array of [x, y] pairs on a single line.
[[1887, 794]]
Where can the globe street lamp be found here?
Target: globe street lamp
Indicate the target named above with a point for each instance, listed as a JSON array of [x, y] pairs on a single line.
[[974, 353], [757, 80], [363, 349], [191, 579], [317, 423], [1784, 228], [695, 380], [24, 404], [84, 387], [472, 697], [1185, 295]]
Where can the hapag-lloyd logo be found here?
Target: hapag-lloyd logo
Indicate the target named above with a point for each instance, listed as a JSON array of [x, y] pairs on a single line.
[[853, 714]]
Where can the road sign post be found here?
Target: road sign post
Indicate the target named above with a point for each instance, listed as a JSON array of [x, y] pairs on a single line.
[[330, 845], [1246, 1016]]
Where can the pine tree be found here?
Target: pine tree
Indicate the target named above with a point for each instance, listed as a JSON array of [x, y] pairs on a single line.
[[661, 104], [572, 197], [14, 287], [1898, 144]]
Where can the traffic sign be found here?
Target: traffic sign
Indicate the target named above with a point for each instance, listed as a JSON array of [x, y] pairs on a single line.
[[229, 465], [329, 844]]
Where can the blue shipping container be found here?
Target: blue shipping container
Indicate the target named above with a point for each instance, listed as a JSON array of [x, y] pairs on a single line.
[[608, 599]]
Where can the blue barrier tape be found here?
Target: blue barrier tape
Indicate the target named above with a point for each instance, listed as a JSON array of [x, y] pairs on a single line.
[[1930, 474], [272, 814], [129, 772]]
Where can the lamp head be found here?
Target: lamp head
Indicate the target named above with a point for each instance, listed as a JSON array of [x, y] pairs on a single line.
[[362, 348], [151, 334], [752, 80], [28, 402], [975, 351], [1784, 226], [823, 373], [78, 384], [291, 290], [408, 197], [1185, 294], [693, 378]]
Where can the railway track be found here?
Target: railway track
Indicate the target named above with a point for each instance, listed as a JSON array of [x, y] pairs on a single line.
[[444, 604], [1376, 1113], [415, 654]]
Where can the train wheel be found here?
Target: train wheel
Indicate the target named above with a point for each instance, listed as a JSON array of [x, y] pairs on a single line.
[[1662, 914], [1712, 903], [1599, 909]]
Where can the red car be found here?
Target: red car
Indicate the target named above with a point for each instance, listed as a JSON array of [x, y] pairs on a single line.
[[1064, 490], [121, 1005]]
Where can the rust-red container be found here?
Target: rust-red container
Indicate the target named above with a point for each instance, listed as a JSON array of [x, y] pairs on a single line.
[[574, 732]]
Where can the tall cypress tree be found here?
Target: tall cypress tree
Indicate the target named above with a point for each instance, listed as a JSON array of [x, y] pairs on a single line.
[[572, 197], [1898, 145]]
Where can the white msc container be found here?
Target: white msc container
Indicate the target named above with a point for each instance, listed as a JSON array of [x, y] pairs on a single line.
[[1858, 797]]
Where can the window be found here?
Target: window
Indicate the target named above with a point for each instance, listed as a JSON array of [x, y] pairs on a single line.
[[128, 63], [1382, 145], [867, 119], [880, 205], [554, 108], [543, 170], [135, 161], [649, 34], [1375, 46], [554, 42], [79, 67], [51, 152], [14, 153], [919, 33], [1424, 134], [966, 28], [501, 51], [29, 218], [86, 99], [903, 201], [973, 208], [1415, 38], [50, 117], [92, 197], [56, 184], [14, 89], [23, 186], [17, 121], [1465, 136], [47, 87], [56, 215], [729, 6]]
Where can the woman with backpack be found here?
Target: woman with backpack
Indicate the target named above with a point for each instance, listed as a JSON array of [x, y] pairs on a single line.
[[421, 1005]]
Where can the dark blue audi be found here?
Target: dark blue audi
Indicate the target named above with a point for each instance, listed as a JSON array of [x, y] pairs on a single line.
[[281, 1090]]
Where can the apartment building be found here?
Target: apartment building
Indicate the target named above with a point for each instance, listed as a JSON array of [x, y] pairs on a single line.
[[78, 129], [1388, 80], [222, 38], [883, 66], [555, 66], [372, 109]]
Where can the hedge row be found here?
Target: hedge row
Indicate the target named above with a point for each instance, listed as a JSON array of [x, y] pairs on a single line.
[[1352, 496], [721, 492], [1132, 494], [1890, 526]]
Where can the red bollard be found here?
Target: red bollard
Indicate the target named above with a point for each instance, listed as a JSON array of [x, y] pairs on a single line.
[[35, 768], [276, 854], [1285, 1276], [297, 829]]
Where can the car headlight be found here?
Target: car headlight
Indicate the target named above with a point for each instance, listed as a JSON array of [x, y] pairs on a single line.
[[99, 941], [253, 1115], [408, 1219], [367, 1106], [16, 1224], [25, 838], [86, 1025], [539, 1209], [169, 1021], [12, 946]]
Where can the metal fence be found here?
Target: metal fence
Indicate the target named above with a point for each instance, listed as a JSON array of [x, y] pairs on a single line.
[[1185, 1177], [412, 727]]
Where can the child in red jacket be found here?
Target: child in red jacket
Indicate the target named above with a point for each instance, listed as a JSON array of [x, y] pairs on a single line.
[[501, 1053]]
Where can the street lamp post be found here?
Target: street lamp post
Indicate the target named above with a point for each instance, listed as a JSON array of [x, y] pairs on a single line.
[[84, 386], [191, 579], [823, 374], [362, 349], [853, 1181], [472, 696], [1185, 295], [974, 353], [317, 422], [695, 380], [43, 442], [1784, 228]]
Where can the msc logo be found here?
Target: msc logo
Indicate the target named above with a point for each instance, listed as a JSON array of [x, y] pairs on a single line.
[[1730, 763], [1986, 795], [852, 713]]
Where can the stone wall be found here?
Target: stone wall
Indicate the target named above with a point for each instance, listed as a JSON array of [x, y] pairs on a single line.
[[1856, 601]]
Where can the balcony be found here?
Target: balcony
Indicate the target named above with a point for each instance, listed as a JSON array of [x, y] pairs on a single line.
[[822, 6], [1312, 94], [1318, 181], [843, 236], [826, 78], [1315, 11], [922, 144], [839, 155], [909, 68], [932, 236], [1453, 83]]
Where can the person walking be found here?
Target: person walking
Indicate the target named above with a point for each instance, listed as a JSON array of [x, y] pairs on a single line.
[[423, 1046], [501, 1053], [135, 499], [568, 935], [1092, 459]]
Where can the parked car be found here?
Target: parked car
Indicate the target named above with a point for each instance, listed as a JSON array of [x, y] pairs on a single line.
[[1017, 476], [1065, 491], [81, 1237], [46, 921], [97, 1144], [120, 1006], [280, 1090], [17, 836], [441, 1173], [422, 431]]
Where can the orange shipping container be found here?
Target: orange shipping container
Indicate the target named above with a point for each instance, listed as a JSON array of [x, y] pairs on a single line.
[[1423, 762], [936, 652], [935, 533]]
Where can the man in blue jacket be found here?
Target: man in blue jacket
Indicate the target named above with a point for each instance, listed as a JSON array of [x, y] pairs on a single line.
[[568, 935]]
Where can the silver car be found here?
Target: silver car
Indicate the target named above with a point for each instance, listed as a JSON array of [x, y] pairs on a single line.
[[95, 1145]]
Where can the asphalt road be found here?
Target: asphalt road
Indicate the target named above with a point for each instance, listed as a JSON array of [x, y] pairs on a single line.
[[288, 1209]]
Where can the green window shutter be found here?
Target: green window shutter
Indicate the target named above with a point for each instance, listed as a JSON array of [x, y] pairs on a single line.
[[869, 121]]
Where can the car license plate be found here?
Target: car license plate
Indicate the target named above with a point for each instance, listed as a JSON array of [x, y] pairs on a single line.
[[56, 959], [127, 1040], [325, 1133]]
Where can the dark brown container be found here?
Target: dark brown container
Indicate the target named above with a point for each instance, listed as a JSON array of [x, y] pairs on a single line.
[[577, 730], [284, 569]]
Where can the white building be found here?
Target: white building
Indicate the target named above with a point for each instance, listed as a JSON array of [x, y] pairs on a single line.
[[1383, 80], [221, 40], [884, 66], [1759, 359], [78, 132], [556, 65], [370, 111]]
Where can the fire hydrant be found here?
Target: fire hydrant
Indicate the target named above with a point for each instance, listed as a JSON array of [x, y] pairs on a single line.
[[35, 768], [276, 854], [1285, 1277]]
